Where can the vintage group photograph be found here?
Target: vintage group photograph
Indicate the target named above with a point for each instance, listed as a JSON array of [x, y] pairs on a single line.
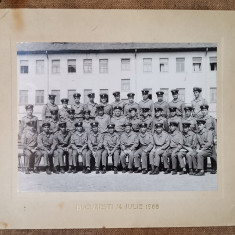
[[117, 117]]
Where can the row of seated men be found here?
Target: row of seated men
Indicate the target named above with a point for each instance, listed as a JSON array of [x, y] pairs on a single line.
[[171, 139]]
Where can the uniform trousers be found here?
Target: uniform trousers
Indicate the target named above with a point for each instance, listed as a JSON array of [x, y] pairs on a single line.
[[98, 154], [28, 154], [155, 156], [201, 156], [131, 159], [190, 158], [173, 157], [73, 157], [116, 157], [45, 155], [59, 156], [140, 154]]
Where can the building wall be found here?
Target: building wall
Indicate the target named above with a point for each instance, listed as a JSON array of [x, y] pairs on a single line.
[[139, 79]]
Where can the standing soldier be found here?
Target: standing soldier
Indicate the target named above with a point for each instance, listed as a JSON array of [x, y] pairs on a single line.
[[112, 148], [102, 119], [29, 118], [29, 141], [147, 119], [129, 142], [175, 118], [145, 146], [107, 107], [78, 145], [133, 119], [91, 105], [204, 148], [63, 112], [161, 143], [197, 102], [189, 118], [176, 143], [54, 122], [60, 146], [45, 141], [146, 102], [50, 106], [118, 101], [176, 102], [162, 104], [87, 121], [188, 150], [131, 104], [95, 144], [70, 121], [118, 120], [78, 107], [159, 119]]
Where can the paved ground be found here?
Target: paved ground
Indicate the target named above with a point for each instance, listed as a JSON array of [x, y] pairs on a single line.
[[114, 183]]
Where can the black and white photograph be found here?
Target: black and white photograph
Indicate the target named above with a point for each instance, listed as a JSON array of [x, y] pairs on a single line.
[[117, 117]]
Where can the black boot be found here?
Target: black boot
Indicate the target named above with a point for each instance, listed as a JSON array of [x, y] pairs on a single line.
[[156, 171], [36, 170], [104, 170], [48, 170], [88, 170], [152, 169], [115, 170], [62, 170], [70, 169], [56, 170], [97, 171], [27, 171], [84, 169], [75, 170]]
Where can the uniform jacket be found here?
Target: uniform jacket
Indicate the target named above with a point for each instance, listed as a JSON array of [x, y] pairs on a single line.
[[193, 122], [129, 141], [95, 141], [45, 141], [176, 119], [118, 121], [180, 107], [196, 103], [70, 124], [190, 140], [112, 141], [86, 125], [149, 121], [29, 139], [129, 105], [26, 120], [176, 140], [92, 107], [47, 108], [103, 122], [61, 140], [121, 103], [205, 140], [210, 124], [161, 140], [164, 105], [63, 114], [108, 109], [162, 120], [54, 125], [147, 104], [79, 108], [135, 123], [146, 141], [79, 139]]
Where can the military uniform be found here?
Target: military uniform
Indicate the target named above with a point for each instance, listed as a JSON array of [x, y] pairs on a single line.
[[119, 103], [135, 121], [176, 143], [63, 114], [146, 104], [54, 126], [70, 124], [79, 109], [145, 146], [210, 124], [119, 122], [26, 120], [162, 120], [103, 122], [47, 108], [87, 125], [78, 142], [192, 121], [162, 104], [130, 142], [128, 106], [92, 108], [175, 118], [179, 104], [148, 120]]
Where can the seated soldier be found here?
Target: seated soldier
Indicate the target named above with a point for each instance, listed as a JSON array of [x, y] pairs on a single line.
[[133, 119], [204, 146], [78, 144], [45, 141], [112, 148], [87, 121], [176, 143], [145, 146], [95, 144], [161, 143], [102, 119], [147, 118], [29, 141], [118, 119], [54, 122], [159, 119], [71, 120], [174, 118], [189, 118], [60, 145], [63, 112], [188, 150], [129, 142]]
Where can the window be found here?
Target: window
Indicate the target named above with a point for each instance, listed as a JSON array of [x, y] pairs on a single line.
[[181, 94], [180, 65], [166, 93], [55, 66], [197, 64], [57, 98], [104, 91], [86, 92], [23, 99], [125, 84], [103, 65], [213, 95], [213, 63], [163, 64], [147, 64], [125, 64], [24, 67], [71, 66], [87, 66], [39, 99], [39, 66], [70, 96]]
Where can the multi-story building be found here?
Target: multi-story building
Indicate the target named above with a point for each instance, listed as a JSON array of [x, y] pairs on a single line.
[[65, 68]]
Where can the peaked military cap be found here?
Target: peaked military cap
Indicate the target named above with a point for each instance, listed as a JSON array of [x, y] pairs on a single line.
[[201, 121], [186, 124], [204, 106], [199, 89], [103, 95], [158, 109], [188, 108], [62, 124], [111, 125], [71, 111], [64, 100], [174, 91], [159, 124], [143, 125], [159, 93], [91, 95], [93, 124], [100, 107], [132, 109], [173, 123], [145, 92], [172, 108], [76, 95], [117, 107], [28, 106], [145, 110], [127, 124], [87, 111], [46, 124], [131, 94], [78, 124], [51, 96], [54, 112], [116, 93]]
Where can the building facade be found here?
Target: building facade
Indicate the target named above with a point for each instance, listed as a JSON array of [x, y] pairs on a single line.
[[65, 68]]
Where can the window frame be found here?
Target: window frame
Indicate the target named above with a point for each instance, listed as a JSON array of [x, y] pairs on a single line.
[[40, 97], [147, 65], [71, 66], [52, 66], [20, 97], [197, 62], [125, 66], [42, 67], [180, 63], [22, 67], [85, 66], [103, 69], [125, 79], [165, 65]]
